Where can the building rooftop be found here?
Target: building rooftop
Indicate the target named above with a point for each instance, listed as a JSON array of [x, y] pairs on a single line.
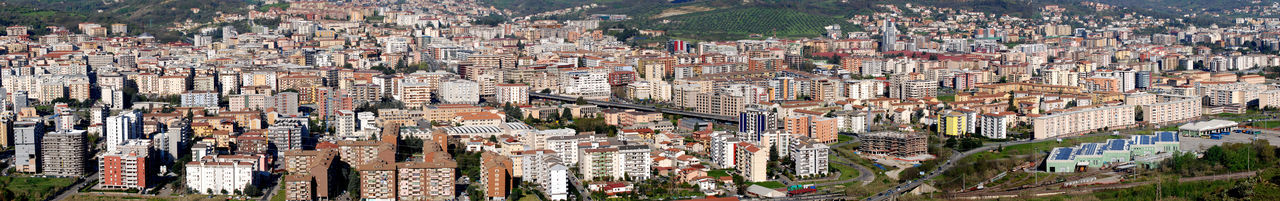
[[1208, 125]]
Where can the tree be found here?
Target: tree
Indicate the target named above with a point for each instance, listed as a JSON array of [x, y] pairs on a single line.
[[950, 143], [566, 114], [581, 101], [545, 91]]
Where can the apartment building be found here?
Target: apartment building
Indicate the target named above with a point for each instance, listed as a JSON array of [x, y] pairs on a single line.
[[1171, 109], [459, 91], [426, 180], [635, 160], [953, 124], [127, 167], [810, 157], [377, 180], [722, 149], [813, 125], [515, 94], [214, 177], [894, 144], [495, 175], [64, 153], [27, 146], [1082, 120], [995, 125], [751, 162], [598, 164]]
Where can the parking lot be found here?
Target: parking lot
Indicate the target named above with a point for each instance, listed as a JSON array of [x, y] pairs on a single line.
[[1197, 144]]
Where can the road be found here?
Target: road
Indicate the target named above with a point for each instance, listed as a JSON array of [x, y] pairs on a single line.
[[582, 190], [997, 195], [864, 174], [897, 190], [267, 195], [75, 188], [637, 107]]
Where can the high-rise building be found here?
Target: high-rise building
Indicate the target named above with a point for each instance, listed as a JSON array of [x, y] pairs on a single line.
[[64, 153], [287, 134], [515, 94], [757, 120], [459, 91], [810, 156], [889, 34], [495, 175], [127, 167], [27, 136], [122, 127]]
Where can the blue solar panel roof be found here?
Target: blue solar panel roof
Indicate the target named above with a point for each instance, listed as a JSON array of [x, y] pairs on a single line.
[[1117, 145], [1143, 139], [1167, 136], [1062, 153], [1089, 149]]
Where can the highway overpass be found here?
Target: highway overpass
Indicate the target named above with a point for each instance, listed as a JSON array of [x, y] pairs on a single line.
[[637, 107]]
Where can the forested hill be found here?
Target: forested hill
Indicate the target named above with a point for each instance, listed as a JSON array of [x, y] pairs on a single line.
[[142, 16], [733, 19]]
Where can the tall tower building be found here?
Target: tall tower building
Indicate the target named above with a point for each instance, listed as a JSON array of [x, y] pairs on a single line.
[[890, 33]]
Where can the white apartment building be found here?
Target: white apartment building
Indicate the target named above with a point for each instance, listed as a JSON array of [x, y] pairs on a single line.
[[121, 128], [459, 91], [995, 125], [345, 125], [555, 183], [515, 94], [810, 157], [722, 149], [1083, 121], [218, 177], [1171, 109], [635, 160], [588, 84]]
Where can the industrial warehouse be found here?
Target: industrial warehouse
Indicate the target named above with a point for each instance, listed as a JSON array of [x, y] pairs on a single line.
[[1140, 149]]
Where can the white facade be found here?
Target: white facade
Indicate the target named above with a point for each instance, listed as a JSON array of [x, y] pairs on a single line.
[[459, 92], [516, 94], [217, 177], [995, 126], [120, 128], [722, 149], [587, 84], [345, 124], [556, 182]]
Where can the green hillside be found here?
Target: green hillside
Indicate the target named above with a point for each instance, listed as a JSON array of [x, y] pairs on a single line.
[[142, 16], [740, 22]]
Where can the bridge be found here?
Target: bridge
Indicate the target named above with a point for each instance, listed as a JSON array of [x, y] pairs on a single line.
[[637, 107]]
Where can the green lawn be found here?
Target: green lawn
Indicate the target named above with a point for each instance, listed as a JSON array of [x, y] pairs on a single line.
[[770, 184], [717, 173], [1267, 124], [843, 138], [279, 196], [1024, 149], [846, 172], [947, 98], [34, 187]]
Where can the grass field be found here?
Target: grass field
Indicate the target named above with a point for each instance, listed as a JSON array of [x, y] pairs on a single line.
[[1267, 124], [35, 188], [770, 184], [717, 173], [947, 98], [740, 22], [279, 196]]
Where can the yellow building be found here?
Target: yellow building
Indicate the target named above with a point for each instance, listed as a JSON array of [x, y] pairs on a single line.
[[952, 124]]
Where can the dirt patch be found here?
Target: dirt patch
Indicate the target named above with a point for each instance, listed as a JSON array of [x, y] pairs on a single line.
[[681, 11]]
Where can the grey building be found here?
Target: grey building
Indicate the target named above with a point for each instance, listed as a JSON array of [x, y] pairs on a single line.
[[64, 153], [26, 145]]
